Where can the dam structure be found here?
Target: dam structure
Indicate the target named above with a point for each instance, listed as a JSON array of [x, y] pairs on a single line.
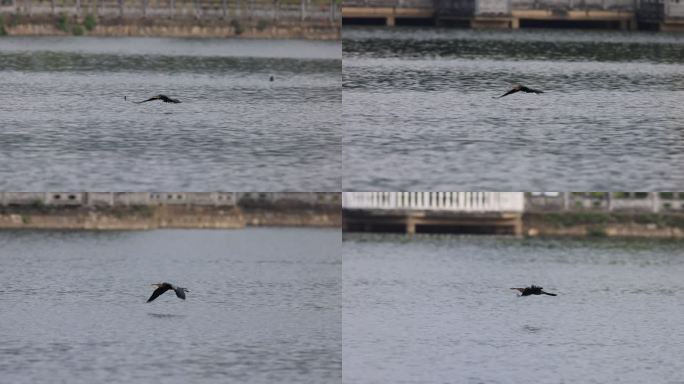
[[433, 212], [663, 15]]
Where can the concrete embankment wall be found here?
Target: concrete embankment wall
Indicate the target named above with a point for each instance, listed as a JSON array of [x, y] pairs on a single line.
[[579, 224], [156, 217], [186, 27]]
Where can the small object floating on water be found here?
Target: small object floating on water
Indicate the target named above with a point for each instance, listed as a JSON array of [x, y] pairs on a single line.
[[533, 290], [519, 88], [163, 287], [271, 78], [163, 98]]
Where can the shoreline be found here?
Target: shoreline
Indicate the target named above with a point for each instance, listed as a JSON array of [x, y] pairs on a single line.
[[600, 224], [15, 25], [140, 217]]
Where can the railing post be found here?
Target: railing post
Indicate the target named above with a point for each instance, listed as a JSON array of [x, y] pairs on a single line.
[[276, 5], [332, 11], [302, 10], [655, 202], [196, 8], [224, 7], [172, 5], [121, 9]]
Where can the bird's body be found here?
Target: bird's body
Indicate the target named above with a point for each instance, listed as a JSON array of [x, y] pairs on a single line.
[[163, 287], [520, 88], [163, 98], [271, 78], [533, 290]]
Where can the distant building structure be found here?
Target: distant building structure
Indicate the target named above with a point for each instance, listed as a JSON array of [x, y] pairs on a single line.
[[428, 212], [488, 212], [266, 10], [638, 202], [164, 198], [666, 15]]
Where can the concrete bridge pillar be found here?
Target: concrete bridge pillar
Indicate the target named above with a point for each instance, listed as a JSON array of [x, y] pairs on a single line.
[[515, 23], [391, 21], [410, 226]]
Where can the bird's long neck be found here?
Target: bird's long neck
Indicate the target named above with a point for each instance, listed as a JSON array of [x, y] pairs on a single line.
[[550, 294]]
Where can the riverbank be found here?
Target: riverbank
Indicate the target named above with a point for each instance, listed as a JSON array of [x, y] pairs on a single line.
[[139, 217], [59, 25], [604, 224]]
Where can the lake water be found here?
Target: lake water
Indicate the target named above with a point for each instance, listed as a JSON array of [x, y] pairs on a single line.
[[419, 111], [263, 306], [439, 310], [64, 124]]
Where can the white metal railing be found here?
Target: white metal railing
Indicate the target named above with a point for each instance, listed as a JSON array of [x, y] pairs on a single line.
[[437, 201]]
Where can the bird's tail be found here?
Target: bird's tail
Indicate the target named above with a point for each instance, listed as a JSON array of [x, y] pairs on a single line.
[[550, 294]]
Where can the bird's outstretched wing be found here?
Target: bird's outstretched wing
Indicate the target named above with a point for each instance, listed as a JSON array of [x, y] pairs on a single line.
[[157, 292], [180, 292], [508, 93], [530, 90], [150, 99]]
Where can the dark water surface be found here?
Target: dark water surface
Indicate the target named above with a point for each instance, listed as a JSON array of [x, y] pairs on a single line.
[[263, 307], [64, 123], [419, 114], [439, 310]]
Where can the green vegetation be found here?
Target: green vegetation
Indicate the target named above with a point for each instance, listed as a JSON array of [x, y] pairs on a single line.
[[3, 30], [577, 218], [77, 30], [262, 24], [89, 22], [672, 195], [16, 19], [26, 219], [237, 27], [63, 22], [143, 210], [596, 231], [65, 25], [598, 219]]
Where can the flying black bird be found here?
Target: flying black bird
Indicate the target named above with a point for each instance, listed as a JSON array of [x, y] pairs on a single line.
[[533, 290], [163, 287], [163, 98], [519, 88]]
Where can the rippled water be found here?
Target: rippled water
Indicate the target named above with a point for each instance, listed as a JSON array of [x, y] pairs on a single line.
[[418, 110], [65, 125], [439, 310], [263, 307]]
